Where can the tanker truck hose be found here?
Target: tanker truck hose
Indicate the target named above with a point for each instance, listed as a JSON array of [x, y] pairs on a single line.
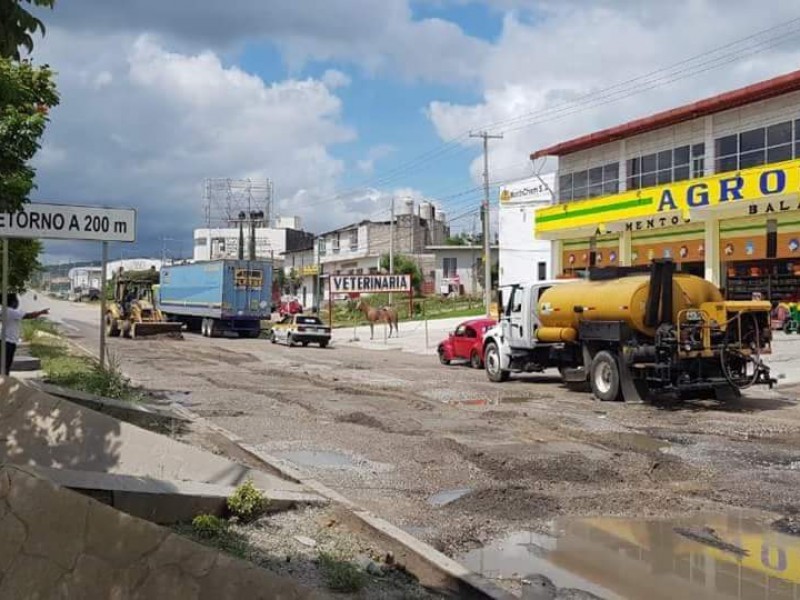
[[727, 351]]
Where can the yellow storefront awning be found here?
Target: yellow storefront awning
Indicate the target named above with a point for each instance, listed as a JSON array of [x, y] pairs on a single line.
[[758, 190]]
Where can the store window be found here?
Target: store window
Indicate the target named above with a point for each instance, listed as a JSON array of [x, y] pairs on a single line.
[[756, 147], [665, 167], [594, 182]]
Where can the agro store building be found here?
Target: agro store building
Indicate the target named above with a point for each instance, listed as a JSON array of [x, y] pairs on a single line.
[[714, 185]]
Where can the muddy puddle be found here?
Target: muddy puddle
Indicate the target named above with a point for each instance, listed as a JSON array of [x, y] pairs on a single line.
[[715, 556], [318, 459], [448, 496]]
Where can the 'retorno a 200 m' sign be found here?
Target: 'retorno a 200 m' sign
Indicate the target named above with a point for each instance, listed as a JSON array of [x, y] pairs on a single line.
[[353, 284]]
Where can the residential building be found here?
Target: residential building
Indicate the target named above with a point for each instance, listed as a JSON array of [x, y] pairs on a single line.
[[522, 256], [356, 249], [458, 269], [711, 185]]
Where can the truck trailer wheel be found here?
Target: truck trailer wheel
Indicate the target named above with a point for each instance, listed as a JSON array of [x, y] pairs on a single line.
[[604, 377], [492, 361]]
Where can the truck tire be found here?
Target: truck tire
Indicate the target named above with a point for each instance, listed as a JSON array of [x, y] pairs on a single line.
[[604, 377], [323, 344], [492, 362]]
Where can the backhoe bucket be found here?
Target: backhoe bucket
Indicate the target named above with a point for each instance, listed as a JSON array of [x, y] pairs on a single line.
[[146, 329]]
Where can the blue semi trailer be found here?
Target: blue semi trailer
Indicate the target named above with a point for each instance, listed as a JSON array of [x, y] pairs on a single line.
[[218, 296]]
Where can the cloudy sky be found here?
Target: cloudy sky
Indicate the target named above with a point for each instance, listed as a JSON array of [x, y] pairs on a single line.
[[345, 103]]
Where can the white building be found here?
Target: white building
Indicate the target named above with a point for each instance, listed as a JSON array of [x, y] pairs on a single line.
[[459, 269], [271, 242], [522, 257]]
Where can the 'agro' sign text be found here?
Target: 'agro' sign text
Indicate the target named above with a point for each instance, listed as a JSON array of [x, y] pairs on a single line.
[[63, 222], [350, 284], [658, 206]]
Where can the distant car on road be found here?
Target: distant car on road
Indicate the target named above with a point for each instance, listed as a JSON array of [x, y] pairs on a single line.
[[466, 343], [290, 306], [301, 329]]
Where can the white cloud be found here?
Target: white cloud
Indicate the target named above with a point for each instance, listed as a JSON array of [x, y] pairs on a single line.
[[379, 36], [552, 52], [334, 79], [163, 121], [367, 165]]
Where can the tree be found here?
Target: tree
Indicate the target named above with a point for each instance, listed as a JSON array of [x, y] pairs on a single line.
[[464, 239], [405, 265], [26, 95], [17, 26]]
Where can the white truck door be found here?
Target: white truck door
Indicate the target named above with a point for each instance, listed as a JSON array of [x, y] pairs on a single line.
[[517, 317]]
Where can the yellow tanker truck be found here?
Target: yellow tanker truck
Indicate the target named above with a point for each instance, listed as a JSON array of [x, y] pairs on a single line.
[[632, 335]]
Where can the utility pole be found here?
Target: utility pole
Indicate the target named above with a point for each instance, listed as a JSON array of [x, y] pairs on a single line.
[[487, 256], [391, 246]]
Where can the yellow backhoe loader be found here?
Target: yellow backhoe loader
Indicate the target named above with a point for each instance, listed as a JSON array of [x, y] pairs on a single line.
[[133, 313]]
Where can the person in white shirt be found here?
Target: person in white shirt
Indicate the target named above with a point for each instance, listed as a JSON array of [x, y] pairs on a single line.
[[14, 318]]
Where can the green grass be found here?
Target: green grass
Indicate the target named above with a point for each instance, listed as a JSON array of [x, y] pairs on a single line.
[[216, 533], [341, 575], [31, 326], [345, 315], [68, 370]]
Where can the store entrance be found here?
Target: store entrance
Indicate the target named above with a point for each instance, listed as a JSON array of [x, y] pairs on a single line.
[[777, 280], [692, 268]]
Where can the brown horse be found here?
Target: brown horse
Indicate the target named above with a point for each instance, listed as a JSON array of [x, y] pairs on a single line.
[[386, 314]]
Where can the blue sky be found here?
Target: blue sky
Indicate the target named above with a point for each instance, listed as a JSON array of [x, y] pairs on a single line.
[[340, 103]]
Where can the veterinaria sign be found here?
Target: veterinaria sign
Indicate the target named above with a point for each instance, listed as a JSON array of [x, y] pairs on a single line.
[[348, 284]]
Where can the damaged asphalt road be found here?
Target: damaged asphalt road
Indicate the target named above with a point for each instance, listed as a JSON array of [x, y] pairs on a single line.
[[456, 460]]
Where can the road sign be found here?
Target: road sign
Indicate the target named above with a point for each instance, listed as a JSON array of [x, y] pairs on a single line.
[[345, 284], [67, 222]]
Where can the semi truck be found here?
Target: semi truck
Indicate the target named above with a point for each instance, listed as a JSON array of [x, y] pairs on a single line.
[[218, 297], [627, 335]]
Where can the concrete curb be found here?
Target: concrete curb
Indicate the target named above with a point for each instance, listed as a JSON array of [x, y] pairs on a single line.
[[132, 412], [431, 567]]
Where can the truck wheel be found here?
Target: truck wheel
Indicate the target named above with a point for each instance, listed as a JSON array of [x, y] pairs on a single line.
[[304, 344], [604, 377], [323, 344], [475, 360], [442, 358], [492, 361], [272, 337]]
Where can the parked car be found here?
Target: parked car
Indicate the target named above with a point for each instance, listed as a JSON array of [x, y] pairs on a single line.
[[301, 329], [290, 306], [466, 343]]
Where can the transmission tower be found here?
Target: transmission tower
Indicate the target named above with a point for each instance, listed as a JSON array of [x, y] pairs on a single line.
[[228, 202]]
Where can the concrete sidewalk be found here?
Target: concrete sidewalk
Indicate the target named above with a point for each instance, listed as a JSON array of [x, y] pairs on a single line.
[[412, 338]]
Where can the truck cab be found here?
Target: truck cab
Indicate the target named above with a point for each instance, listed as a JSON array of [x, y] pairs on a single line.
[[511, 345]]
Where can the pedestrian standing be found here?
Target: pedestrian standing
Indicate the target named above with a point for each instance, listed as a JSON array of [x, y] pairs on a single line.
[[13, 325]]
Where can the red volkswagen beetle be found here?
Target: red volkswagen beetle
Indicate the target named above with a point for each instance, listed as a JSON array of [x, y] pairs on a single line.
[[466, 343]]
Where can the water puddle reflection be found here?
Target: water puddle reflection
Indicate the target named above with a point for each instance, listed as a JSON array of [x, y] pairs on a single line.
[[448, 496], [718, 557]]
